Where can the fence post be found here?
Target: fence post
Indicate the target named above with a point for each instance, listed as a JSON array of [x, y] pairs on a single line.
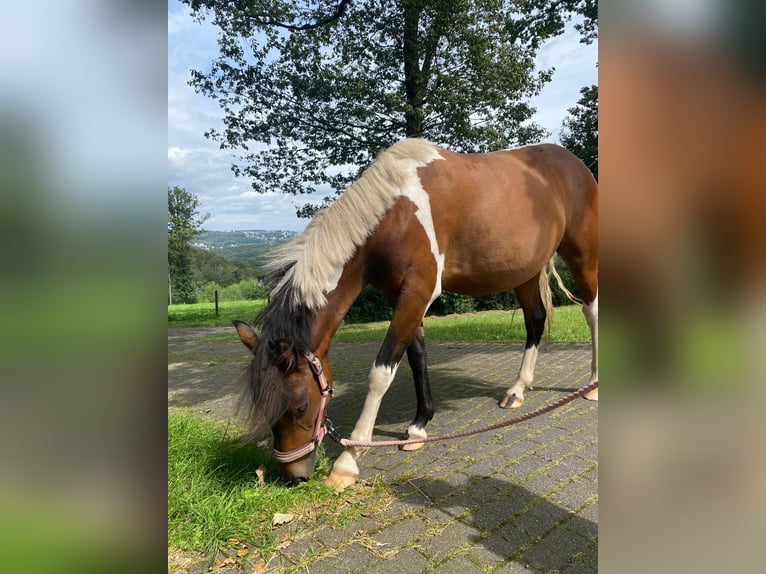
[[216, 302]]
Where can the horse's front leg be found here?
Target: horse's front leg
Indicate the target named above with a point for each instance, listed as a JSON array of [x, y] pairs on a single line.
[[416, 356], [404, 325]]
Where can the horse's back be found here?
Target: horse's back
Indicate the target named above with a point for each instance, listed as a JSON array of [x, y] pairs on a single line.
[[500, 216]]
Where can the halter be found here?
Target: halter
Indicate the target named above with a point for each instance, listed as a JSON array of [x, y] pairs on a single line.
[[319, 426]]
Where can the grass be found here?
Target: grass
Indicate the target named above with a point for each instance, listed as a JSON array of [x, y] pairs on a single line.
[[203, 314], [568, 325], [214, 495]]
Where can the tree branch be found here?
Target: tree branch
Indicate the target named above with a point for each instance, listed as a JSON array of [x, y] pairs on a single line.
[[336, 15]]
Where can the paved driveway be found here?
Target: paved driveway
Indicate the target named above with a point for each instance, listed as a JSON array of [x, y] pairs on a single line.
[[523, 499]]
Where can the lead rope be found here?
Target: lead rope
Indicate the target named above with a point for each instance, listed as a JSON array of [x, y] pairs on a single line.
[[332, 433]]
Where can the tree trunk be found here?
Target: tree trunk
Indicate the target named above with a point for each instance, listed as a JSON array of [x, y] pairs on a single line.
[[413, 79]]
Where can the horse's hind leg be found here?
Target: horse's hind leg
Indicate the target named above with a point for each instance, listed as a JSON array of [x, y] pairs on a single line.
[[531, 303], [583, 265], [416, 356]]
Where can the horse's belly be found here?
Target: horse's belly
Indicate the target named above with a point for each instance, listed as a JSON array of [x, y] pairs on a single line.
[[479, 278]]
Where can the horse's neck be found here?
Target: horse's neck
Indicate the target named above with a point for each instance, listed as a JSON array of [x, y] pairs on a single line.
[[339, 300]]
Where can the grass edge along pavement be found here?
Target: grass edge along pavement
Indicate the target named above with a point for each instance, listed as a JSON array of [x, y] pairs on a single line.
[[214, 496], [568, 324]]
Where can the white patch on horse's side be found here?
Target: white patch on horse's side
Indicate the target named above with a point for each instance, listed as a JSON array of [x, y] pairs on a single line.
[[414, 191], [314, 260]]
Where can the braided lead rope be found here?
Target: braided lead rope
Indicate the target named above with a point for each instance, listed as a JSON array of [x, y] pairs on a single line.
[[536, 413]]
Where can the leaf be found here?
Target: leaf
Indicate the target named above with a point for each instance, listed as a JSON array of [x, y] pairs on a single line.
[[259, 568], [261, 474], [243, 552], [280, 518]]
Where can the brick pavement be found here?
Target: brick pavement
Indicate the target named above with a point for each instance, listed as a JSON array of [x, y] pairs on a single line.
[[523, 499]]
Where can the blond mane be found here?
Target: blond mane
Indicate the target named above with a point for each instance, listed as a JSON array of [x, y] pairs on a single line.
[[313, 262]]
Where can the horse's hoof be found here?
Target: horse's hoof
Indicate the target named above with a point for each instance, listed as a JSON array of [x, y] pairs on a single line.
[[591, 395], [517, 402], [340, 481], [414, 445]]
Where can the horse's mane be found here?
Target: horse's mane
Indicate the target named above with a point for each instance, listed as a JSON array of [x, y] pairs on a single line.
[[310, 265]]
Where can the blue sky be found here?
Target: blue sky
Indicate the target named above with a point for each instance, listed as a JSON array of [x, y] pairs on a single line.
[[197, 164]]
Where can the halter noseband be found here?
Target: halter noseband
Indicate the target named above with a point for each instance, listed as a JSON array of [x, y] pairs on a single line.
[[319, 427]]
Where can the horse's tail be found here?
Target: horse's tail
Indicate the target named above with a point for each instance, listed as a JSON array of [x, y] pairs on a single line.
[[547, 295]]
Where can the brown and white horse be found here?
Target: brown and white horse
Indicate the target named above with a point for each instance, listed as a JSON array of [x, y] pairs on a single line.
[[419, 220]]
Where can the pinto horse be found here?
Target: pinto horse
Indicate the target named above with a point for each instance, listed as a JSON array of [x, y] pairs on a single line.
[[420, 219]]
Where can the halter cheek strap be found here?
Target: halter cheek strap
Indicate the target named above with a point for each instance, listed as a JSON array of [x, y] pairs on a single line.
[[319, 427]]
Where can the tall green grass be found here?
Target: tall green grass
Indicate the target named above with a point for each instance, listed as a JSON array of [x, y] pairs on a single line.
[[214, 494]]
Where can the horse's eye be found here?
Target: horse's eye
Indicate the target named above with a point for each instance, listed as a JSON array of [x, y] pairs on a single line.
[[302, 409]]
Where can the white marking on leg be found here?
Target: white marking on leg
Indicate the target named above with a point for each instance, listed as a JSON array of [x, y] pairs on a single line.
[[591, 316], [380, 379], [415, 431], [526, 375]]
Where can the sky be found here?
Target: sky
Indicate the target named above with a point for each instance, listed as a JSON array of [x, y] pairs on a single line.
[[199, 166]]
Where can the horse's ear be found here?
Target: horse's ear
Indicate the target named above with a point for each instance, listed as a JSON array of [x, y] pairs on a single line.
[[284, 354], [246, 334]]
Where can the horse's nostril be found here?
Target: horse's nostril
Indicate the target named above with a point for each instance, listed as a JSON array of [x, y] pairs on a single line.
[[296, 480]]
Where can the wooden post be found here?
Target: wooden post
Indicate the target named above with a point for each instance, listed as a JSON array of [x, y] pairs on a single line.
[[216, 302]]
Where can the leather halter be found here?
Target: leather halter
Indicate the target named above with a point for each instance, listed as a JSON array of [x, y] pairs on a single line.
[[319, 427]]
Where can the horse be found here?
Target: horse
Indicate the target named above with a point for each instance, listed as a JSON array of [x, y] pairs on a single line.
[[420, 219]]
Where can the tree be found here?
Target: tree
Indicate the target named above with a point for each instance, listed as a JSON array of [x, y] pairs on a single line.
[[184, 223], [313, 91], [580, 130]]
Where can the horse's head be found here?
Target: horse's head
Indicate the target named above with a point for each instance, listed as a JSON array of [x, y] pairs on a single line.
[[288, 390]]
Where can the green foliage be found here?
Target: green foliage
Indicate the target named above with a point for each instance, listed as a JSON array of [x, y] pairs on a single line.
[[209, 267], [308, 91], [580, 130], [183, 223], [214, 494], [371, 305], [450, 303]]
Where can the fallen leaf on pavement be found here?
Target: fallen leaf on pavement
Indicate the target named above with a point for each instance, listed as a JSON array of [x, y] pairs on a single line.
[[280, 518]]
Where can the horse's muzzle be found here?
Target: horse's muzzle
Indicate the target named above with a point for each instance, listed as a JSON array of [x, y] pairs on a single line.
[[298, 471]]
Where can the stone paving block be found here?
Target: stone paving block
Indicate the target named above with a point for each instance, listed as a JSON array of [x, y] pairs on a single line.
[[353, 557], [568, 467], [579, 568], [452, 537], [507, 540], [437, 515], [516, 567], [496, 512], [489, 556], [541, 518], [458, 565], [590, 513], [300, 548], [333, 537], [485, 489], [574, 494], [401, 533], [554, 551], [406, 561]]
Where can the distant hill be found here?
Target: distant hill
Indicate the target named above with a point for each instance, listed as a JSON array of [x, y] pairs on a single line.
[[247, 246]]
